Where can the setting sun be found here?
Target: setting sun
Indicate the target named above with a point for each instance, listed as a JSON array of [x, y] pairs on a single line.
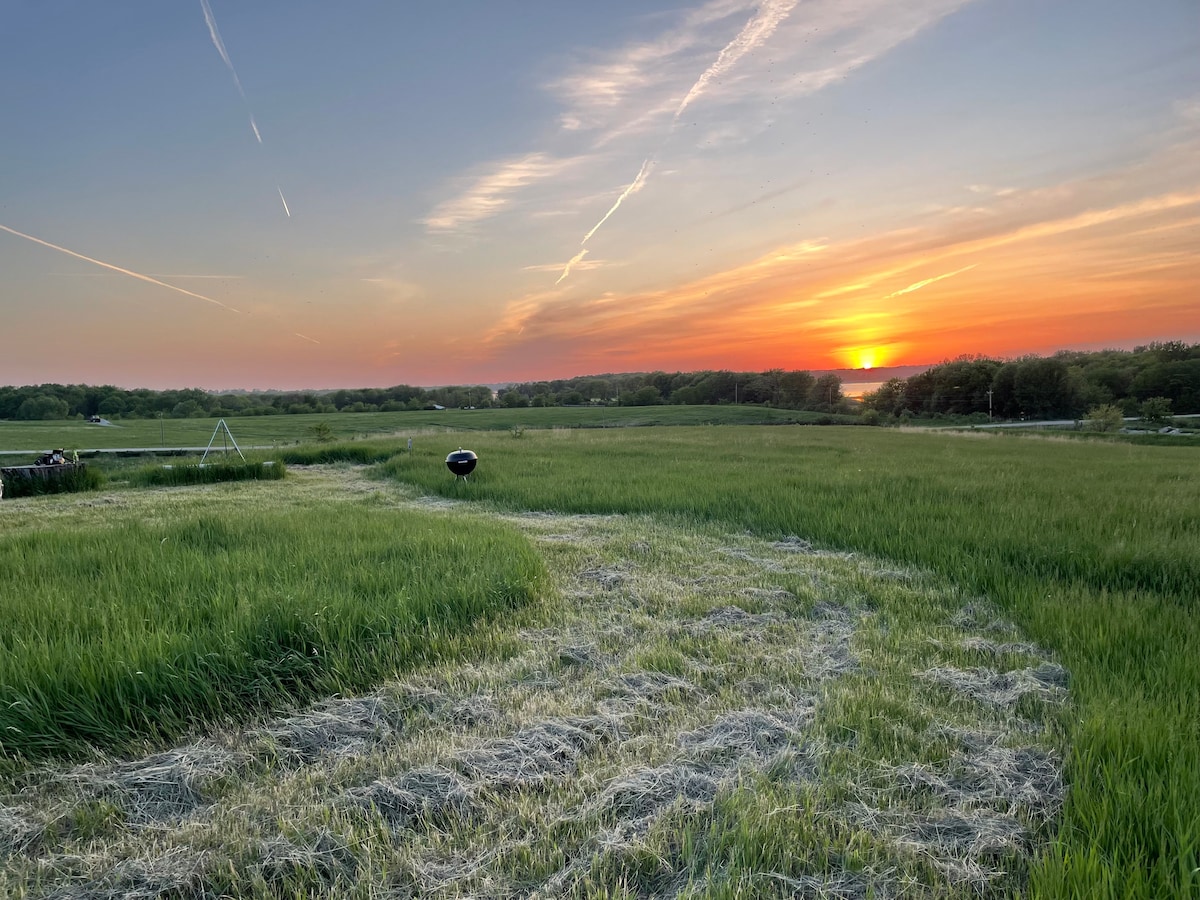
[[865, 357]]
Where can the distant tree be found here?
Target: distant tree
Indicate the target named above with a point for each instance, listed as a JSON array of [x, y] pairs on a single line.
[[1156, 410], [1104, 418], [513, 399], [888, 399], [43, 407], [187, 409], [321, 432], [643, 396], [826, 393], [1042, 388]]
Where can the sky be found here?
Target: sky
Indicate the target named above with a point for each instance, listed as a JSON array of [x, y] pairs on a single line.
[[283, 195]]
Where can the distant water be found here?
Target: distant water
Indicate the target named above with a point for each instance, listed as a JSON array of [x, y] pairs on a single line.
[[857, 388]]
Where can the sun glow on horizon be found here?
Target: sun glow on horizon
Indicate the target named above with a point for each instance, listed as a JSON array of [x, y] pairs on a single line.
[[865, 357]]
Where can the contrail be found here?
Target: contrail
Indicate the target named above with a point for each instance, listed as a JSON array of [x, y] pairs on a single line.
[[131, 274], [760, 27], [753, 34], [574, 259], [211, 21], [637, 184], [916, 286], [306, 337]]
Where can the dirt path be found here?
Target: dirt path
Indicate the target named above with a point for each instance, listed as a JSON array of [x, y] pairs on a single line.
[[694, 711]]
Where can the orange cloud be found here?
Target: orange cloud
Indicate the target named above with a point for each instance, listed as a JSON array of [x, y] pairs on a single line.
[[1050, 269]]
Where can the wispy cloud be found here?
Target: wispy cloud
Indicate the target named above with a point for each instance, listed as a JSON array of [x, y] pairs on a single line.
[[1188, 109], [578, 265], [118, 269], [722, 52], [491, 193], [1067, 240], [805, 48]]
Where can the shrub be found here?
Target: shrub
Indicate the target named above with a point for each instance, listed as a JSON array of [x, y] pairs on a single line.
[[1156, 411], [1106, 417]]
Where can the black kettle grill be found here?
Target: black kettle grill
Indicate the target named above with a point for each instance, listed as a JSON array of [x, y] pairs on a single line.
[[462, 463]]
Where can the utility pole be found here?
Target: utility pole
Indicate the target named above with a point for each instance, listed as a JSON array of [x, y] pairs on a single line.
[[989, 393]]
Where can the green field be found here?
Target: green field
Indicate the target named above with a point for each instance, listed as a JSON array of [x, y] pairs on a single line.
[[1091, 550], [268, 431], [142, 623]]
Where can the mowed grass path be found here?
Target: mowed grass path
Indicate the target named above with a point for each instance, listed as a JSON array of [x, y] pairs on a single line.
[[1093, 548], [132, 625]]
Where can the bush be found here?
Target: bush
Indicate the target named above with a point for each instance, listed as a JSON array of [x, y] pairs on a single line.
[[1104, 418], [1156, 411]]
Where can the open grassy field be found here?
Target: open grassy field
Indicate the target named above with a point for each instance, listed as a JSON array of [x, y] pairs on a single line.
[[267, 431], [774, 662], [1094, 549]]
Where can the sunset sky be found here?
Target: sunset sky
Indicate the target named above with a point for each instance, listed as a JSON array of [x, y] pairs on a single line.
[[302, 194]]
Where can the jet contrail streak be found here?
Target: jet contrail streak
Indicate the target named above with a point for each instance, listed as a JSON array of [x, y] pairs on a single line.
[[131, 274], [760, 27], [306, 337], [754, 33], [574, 259], [633, 188], [920, 284], [211, 21], [215, 34]]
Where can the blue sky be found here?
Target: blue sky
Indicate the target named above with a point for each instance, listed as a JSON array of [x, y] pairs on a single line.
[[777, 183]]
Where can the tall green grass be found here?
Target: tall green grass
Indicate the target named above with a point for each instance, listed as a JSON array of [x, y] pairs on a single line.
[[1093, 548], [208, 473], [58, 480], [144, 631]]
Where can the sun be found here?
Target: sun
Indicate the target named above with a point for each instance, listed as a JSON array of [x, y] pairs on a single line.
[[866, 357]]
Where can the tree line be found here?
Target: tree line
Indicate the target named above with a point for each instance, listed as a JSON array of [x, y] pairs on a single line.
[[797, 389], [1067, 384]]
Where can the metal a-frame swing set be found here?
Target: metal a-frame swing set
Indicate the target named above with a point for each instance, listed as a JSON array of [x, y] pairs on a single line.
[[226, 439]]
